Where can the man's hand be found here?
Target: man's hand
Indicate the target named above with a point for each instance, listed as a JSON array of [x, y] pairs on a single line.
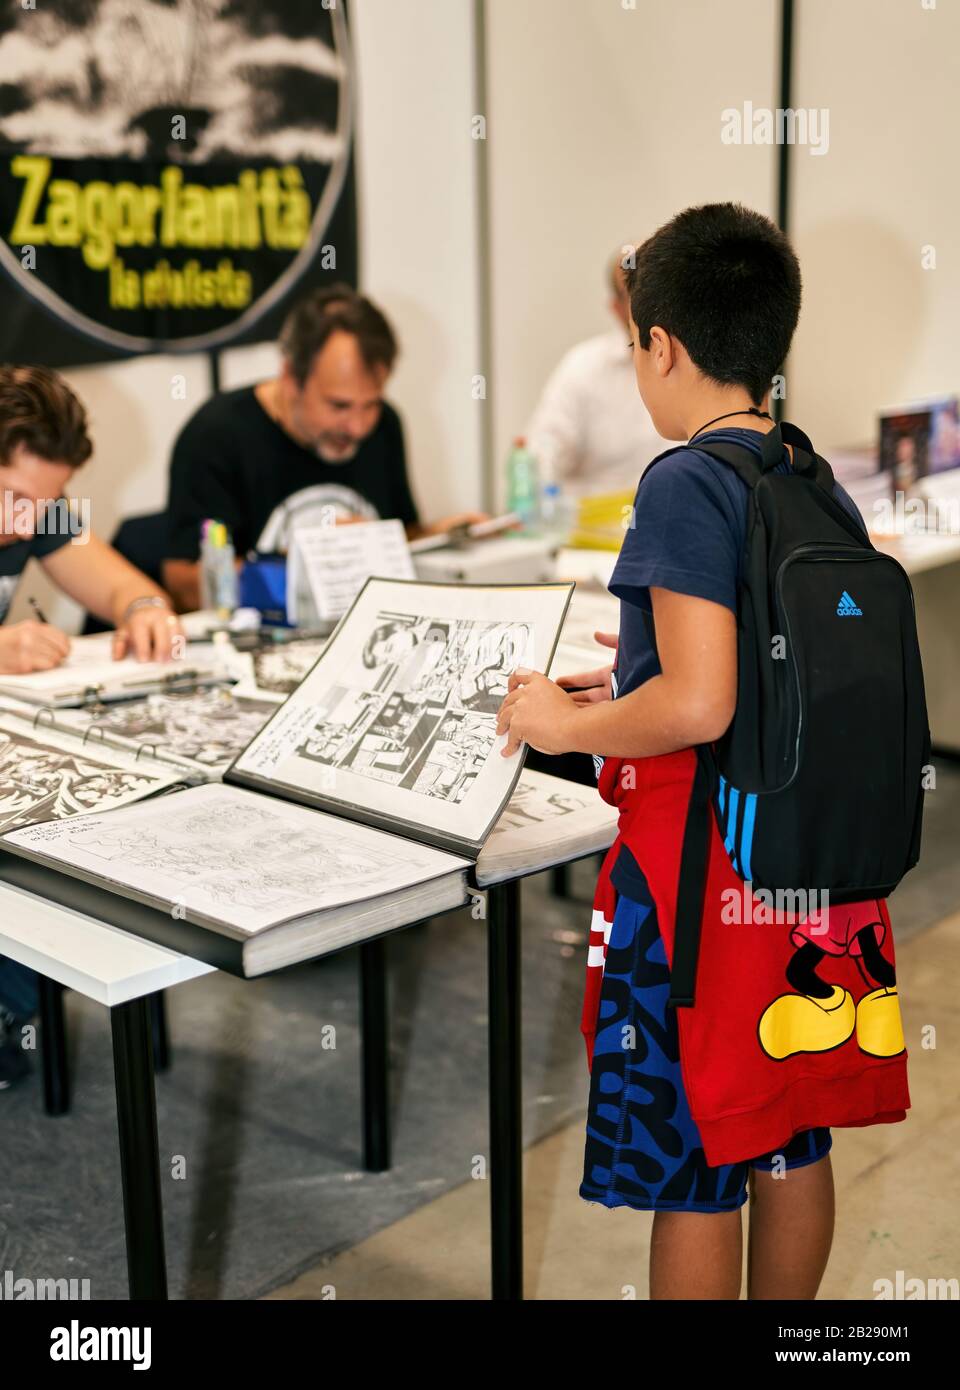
[[149, 634], [594, 685], [450, 523], [536, 711], [32, 646]]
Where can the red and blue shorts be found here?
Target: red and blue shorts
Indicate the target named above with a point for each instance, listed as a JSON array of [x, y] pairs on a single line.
[[643, 1149]]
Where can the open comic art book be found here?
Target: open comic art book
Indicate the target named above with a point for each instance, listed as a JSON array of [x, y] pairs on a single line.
[[395, 724], [363, 802], [44, 776], [200, 731]]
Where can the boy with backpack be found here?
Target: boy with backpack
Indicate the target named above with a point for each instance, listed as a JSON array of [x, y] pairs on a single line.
[[763, 732]]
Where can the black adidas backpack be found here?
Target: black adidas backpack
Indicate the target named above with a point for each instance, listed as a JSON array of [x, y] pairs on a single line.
[[818, 782]]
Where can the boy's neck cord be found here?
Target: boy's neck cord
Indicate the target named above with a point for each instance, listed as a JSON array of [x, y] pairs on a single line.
[[763, 415]]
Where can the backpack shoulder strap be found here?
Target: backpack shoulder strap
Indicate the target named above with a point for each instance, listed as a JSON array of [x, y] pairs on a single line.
[[692, 884], [740, 457], [743, 459]]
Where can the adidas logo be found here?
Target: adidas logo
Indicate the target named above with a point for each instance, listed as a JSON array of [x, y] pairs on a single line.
[[846, 608]]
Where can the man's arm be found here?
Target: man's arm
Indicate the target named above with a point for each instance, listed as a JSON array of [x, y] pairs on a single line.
[[96, 576]]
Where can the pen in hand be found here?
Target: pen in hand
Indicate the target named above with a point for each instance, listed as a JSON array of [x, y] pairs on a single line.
[[41, 616]]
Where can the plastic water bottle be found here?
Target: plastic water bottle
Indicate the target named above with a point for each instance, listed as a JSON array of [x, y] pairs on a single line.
[[557, 514], [218, 571], [523, 489]]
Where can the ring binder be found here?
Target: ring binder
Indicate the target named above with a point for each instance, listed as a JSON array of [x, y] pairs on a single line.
[[93, 729], [151, 746], [38, 717]]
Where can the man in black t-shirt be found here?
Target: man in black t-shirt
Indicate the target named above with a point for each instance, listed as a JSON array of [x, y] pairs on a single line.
[[315, 445]]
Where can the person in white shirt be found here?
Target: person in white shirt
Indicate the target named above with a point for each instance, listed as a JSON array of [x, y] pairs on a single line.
[[590, 431]]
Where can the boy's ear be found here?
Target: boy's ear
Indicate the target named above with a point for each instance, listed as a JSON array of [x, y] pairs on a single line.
[[662, 350]]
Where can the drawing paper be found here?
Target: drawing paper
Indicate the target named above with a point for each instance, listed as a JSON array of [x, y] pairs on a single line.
[[89, 672], [234, 859]]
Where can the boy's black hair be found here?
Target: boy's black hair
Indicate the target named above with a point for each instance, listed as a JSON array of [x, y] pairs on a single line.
[[726, 282]]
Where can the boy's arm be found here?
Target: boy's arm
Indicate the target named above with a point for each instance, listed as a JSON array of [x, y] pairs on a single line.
[[692, 701], [99, 578]]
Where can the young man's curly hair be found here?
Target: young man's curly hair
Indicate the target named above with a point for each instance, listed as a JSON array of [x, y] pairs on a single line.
[[38, 410]]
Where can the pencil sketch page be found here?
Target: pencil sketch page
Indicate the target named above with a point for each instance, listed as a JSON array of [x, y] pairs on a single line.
[[236, 857], [398, 717], [46, 777]]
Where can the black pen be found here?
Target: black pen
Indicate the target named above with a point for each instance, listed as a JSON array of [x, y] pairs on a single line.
[[37, 609]]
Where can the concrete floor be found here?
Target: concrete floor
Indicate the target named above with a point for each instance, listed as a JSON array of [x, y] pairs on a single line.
[[898, 1192]]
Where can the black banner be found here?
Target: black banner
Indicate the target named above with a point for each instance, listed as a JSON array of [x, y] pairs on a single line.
[[172, 172]]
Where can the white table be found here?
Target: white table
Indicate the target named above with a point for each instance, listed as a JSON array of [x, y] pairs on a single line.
[[121, 972]]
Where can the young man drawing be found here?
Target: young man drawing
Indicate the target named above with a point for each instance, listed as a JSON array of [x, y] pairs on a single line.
[[43, 440]]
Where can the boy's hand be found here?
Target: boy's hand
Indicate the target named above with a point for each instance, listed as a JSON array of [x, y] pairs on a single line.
[[535, 711], [594, 685], [32, 646]]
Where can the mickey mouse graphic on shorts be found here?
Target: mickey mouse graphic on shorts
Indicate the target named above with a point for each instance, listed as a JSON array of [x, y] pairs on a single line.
[[820, 1016]]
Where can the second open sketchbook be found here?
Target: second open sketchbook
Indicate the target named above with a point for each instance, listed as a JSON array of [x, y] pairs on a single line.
[[376, 794]]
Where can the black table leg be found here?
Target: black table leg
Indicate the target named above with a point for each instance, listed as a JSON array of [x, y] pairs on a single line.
[[506, 1132], [139, 1152], [53, 1047], [161, 1037], [375, 1059], [560, 881]]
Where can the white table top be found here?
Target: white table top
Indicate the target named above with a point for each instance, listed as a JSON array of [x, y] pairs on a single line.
[[916, 551], [102, 962]]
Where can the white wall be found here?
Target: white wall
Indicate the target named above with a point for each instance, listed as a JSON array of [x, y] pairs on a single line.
[[418, 229], [876, 329], [415, 190], [603, 122]]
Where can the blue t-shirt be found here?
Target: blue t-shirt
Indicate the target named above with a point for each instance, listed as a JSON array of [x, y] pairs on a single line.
[[687, 535]]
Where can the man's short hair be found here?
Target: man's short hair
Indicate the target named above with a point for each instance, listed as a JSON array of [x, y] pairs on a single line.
[[725, 281], [338, 308], [39, 410]]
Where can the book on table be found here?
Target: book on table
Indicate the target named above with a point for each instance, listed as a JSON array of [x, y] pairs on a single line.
[[363, 803]]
